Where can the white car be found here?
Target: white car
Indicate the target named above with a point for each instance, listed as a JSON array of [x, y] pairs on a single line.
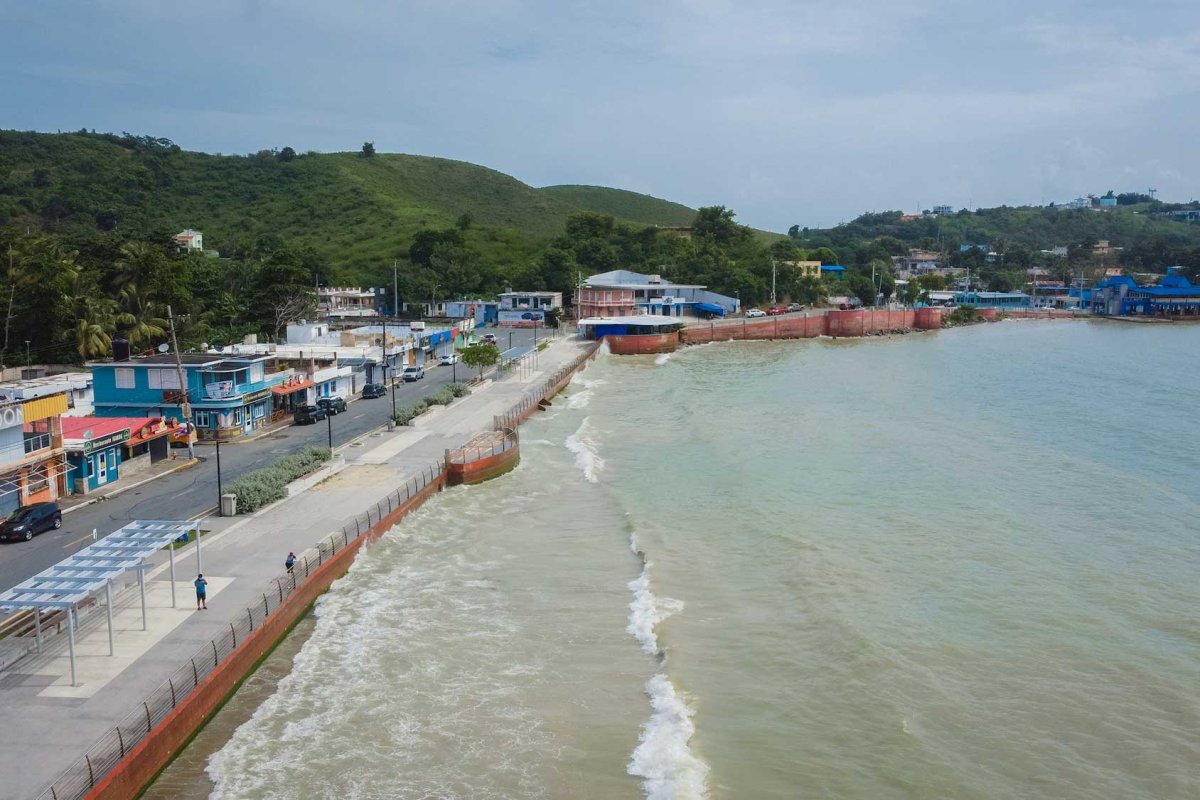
[[448, 359], [411, 374], [756, 312]]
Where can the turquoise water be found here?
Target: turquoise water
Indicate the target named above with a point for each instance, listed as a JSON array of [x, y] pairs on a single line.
[[953, 565]]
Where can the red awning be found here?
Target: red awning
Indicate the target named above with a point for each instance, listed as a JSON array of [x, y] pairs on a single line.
[[292, 386]]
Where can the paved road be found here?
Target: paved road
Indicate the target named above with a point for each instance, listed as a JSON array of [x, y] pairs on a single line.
[[192, 492]]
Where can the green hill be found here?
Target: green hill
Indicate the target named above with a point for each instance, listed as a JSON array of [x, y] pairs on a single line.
[[622, 204], [357, 213]]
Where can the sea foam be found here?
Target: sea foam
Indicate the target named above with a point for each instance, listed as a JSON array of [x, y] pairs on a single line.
[[663, 760], [587, 455], [662, 359]]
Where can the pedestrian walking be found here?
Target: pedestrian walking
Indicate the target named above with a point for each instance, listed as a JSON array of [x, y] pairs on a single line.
[[201, 592], [291, 561]]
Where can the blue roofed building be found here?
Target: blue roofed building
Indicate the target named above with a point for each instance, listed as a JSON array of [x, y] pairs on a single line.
[[833, 270], [1173, 296], [997, 300]]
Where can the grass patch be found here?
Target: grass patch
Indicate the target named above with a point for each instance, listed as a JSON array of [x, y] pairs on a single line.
[[191, 540]]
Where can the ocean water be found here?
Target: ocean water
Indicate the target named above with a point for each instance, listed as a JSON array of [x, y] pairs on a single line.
[[955, 565]]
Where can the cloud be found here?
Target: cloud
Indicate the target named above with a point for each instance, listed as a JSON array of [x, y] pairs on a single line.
[[787, 111]]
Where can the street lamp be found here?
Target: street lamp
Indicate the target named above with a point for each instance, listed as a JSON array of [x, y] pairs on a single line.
[[220, 492], [393, 392], [329, 426], [510, 333]]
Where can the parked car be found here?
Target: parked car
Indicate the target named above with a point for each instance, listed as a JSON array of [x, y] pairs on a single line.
[[332, 405], [307, 415], [795, 307], [489, 338], [448, 359], [411, 374], [775, 311], [756, 312], [373, 390], [23, 523]]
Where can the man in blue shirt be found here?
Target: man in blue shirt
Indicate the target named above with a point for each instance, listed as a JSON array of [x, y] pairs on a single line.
[[201, 592]]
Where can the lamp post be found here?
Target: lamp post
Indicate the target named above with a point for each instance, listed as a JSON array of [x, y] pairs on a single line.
[[454, 368], [510, 333], [393, 393], [329, 427], [220, 492]]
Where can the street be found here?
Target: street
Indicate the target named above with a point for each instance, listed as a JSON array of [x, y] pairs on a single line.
[[192, 492]]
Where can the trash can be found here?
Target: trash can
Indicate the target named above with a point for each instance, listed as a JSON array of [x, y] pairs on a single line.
[[391, 425], [229, 505]]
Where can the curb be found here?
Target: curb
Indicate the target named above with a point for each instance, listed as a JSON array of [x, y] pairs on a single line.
[[121, 490]]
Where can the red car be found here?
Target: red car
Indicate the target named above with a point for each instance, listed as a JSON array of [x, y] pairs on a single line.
[[775, 311]]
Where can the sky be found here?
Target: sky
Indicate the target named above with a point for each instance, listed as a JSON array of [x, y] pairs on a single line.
[[807, 112]]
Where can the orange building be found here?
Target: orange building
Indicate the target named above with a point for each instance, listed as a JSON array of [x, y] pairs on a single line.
[[32, 459]]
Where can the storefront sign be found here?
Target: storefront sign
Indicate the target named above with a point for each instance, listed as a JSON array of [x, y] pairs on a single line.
[[104, 442], [12, 416], [256, 396]]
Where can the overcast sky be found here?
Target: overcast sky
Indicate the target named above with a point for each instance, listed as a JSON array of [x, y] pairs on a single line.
[[806, 112]]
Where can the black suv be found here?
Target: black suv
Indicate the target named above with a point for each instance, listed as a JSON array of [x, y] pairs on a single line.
[[23, 523], [307, 415], [373, 390], [332, 405]]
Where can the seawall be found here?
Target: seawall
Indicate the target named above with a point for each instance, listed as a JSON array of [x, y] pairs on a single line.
[[835, 322]]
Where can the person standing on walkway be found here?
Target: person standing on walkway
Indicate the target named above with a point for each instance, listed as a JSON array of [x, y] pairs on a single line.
[[201, 592], [291, 561]]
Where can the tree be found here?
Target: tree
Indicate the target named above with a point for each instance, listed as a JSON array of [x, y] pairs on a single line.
[[794, 232], [932, 282], [481, 356], [368, 150], [825, 255], [912, 293], [717, 224], [286, 154], [464, 221]]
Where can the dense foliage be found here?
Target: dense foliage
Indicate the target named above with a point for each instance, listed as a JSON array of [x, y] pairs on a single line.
[[264, 486]]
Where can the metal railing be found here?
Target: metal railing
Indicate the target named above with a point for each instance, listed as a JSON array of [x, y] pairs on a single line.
[[469, 454], [107, 752], [512, 418]]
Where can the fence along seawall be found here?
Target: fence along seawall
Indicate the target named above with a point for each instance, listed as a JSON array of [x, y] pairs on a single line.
[[125, 760], [851, 323]]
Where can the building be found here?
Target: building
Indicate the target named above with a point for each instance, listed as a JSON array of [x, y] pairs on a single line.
[[622, 293], [917, 262], [482, 312], [230, 396], [1173, 296], [833, 271], [190, 241], [102, 450], [806, 269], [966, 248], [1186, 215], [346, 301], [942, 210], [522, 309], [77, 386], [1080, 203], [1102, 248], [634, 334], [997, 300], [32, 460], [1108, 202]]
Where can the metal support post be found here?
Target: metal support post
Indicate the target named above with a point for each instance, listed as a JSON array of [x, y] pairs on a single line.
[[329, 426], [37, 621], [108, 608], [171, 557], [142, 590], [219, 489], [71, 643], [199, 561]]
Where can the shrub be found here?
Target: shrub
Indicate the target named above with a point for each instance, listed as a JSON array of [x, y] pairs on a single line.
[[458, 389], [264, 486], [405, 414]]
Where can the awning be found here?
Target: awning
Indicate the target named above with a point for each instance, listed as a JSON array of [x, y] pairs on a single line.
[[292, 386], [709, 308]]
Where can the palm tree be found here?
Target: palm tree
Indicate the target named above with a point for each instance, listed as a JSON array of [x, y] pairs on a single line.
[[140, 318], [96, 320], [138, 260]]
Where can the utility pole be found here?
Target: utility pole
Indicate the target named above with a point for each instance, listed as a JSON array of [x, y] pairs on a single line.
[[396, 287], [185, 404], [772, 283]]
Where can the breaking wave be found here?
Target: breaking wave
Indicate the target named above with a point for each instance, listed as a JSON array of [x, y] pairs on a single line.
[[662, 759], [662, 359], [587, 454]]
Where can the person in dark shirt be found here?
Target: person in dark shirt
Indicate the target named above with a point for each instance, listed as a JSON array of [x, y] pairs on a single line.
[[291, 561], [201, 592]]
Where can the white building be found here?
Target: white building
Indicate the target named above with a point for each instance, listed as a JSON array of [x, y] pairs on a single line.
[[77, 386], [190, 240], [527, 308], [346, 301]]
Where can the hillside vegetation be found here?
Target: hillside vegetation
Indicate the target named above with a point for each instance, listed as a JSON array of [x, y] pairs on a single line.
[[356, 213]]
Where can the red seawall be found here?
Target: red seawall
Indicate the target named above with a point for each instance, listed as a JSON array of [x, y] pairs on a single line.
[[643, 344], [146, 759], [484, 469], [858, 322]]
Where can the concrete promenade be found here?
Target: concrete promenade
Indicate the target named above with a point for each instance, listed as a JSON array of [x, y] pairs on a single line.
[[51, 723]]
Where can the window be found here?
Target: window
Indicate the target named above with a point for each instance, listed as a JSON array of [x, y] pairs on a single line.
[[202, 419], [256, 372], [239, 416], [124, 377], [163, 379], [38, 480], [90, 465]]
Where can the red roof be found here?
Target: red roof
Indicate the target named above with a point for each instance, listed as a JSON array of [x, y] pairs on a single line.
[[77, 427]]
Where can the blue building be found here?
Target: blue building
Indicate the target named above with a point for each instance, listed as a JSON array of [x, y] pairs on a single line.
[[833, 270], [230, 397], [1173, 296]]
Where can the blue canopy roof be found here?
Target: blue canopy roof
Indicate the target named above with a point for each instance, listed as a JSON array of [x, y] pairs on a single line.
[[833, 268], [709, 308]]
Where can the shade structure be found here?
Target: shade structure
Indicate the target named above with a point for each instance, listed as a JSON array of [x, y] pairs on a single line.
[[77, 577]]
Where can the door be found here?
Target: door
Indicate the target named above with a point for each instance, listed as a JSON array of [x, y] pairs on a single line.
[[101, 468]]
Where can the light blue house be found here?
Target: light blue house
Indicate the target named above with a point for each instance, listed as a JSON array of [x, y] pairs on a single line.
[[230, 397]]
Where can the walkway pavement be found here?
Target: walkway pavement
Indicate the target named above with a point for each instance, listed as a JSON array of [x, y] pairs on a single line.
[[51, 723]]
